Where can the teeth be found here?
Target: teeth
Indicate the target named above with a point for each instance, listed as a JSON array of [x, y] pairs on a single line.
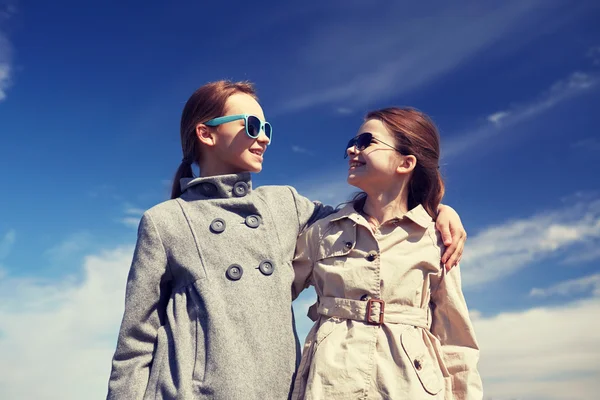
[[355, 164]]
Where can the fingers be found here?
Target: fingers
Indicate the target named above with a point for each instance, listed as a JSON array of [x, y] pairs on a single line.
[[446, 235], [443, 225], [449, 253], [453, 254]]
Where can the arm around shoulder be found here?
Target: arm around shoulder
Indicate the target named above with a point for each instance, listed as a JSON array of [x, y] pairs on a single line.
[[304, 259], [309, 211]]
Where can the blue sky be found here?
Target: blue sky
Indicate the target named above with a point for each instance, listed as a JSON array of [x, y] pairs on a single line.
[[90, 100]]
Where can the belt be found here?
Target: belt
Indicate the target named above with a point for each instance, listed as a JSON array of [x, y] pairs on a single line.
[[373, 311]]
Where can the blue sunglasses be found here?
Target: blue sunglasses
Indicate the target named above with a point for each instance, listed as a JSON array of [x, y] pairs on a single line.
[[252, 123]]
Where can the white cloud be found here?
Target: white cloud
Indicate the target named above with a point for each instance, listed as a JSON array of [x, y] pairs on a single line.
[[571, 287], [360, 54], [541, 353], [61, 335], [7, 243], [501, 250], [575, 84]]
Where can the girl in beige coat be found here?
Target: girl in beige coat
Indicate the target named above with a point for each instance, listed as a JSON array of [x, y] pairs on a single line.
[[391, 322]]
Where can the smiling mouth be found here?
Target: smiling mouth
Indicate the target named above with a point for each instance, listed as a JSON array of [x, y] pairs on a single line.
[[257, 152], [356, 164]]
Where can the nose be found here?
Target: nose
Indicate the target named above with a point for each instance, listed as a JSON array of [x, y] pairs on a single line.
[[350, 151], [262, 137]]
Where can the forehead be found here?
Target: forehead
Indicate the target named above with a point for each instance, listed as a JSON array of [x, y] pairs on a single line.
[[242, 103], [376, 127]]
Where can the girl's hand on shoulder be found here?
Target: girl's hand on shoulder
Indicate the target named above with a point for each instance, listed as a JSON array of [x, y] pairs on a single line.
[[453, 234]]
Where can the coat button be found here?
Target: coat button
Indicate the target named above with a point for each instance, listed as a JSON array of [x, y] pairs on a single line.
[[348, 245], [266, 267], [240, 189], [253, 221], [234, 272], [208, 189], [217, 225], [372, 255], [418, 365]]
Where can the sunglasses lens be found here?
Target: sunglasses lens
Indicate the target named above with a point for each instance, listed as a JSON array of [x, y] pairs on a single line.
[[268, 130], [361, 142], [253, 126]]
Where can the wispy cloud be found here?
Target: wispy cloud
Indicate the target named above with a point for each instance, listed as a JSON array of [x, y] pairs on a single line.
[[594, 54], [361, 53], [73, 245], [130, 222], [302, 150], [330, 187], [132, 216], [7, 242], [574, 85], [104, 190], [571, 287], [344, 110], [7, 11], [497, 117], [587, 144], [502, 250]]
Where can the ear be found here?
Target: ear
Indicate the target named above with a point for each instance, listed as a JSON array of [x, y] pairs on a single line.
[[407, 165], [205, 135]]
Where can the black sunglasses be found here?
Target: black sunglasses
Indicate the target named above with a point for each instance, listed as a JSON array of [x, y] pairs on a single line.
[[363, 141]]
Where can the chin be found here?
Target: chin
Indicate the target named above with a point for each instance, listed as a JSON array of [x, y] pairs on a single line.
[[254, 167], [354, 181]]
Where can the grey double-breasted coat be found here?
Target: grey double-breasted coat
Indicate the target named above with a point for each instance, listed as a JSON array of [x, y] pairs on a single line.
[[208, 303]]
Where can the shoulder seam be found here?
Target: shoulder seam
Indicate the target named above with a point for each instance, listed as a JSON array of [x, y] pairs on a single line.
[[151, 220]]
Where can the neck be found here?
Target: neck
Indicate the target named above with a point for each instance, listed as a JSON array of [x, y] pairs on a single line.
[[386, 205], [208, 168]]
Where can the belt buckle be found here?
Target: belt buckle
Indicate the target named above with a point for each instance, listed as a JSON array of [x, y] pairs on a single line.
[[369, 312]]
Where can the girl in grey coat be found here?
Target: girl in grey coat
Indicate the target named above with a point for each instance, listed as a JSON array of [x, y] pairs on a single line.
[[208, 303]]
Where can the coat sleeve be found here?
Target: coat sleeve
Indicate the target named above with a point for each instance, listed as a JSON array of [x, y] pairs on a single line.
[[452, 326], [146, 297], [309, 211], [304, 259]]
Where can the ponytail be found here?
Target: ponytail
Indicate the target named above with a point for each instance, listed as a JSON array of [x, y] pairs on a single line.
[[184, 171]]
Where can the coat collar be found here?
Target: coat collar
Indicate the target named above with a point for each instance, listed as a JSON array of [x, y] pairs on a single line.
[[418, 215], [219, 186]]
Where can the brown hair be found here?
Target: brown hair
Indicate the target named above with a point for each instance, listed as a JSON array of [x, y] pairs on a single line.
[[416, 134], [206, 103]]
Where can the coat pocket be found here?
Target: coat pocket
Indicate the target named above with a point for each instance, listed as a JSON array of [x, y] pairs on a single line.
[[337, 243], [422, 360]]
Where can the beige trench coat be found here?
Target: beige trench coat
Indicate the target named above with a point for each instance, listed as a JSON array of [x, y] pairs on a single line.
[[391, 323]]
